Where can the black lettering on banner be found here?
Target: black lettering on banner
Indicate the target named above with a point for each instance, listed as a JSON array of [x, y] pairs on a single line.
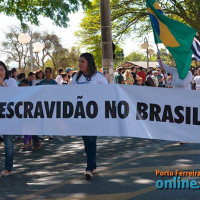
[[141, 111], [79, 111], [2, 109], [167, 114], [195, 116], [39, 110], [154, 112], [110, 110], [19, 115], [180, 116], [58, 110], [10, 110], [88, 109], [28, 107], [126, 109], [188, 115], [68, 109], [49, 110]]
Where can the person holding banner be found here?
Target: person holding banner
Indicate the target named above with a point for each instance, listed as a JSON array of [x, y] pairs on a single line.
[[5, 81], [176, 81], [88, 75]]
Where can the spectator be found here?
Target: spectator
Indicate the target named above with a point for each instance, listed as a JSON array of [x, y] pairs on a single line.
[[39, 75], [197, 80], [142, 74], [119, 77], [149, 81], [69, 73], [160, 78], [20, 77], [65, 79], [24, 82], [154, 77], [48, 78], [59, 78], [31, 78], [14, 73], [135, 76], [139, 82], [128, 78], [169, 81], [9, 74]]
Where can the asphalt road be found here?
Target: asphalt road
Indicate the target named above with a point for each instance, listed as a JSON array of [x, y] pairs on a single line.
[[126, 170]]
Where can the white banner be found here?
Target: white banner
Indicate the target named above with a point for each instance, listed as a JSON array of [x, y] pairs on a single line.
[[101, 110]]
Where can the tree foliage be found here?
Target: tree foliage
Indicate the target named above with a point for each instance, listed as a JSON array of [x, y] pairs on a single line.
[[53, 51], [64, 58], [30, 10], [131, 16]]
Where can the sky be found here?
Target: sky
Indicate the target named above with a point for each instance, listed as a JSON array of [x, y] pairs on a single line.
[[67, 34]]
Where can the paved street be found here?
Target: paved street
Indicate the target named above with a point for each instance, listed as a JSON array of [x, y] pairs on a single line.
[[126, 170]]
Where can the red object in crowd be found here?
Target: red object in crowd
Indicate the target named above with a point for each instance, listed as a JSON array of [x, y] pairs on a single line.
[[142, 75]]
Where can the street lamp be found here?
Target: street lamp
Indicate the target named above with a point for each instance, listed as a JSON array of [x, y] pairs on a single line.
[[36, 47], [150, 52]]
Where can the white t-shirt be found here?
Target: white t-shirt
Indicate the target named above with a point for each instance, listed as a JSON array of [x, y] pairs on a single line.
[[11, 82], [34, 82], [197, 81], [97, 78], [59, 79], [176, 81]]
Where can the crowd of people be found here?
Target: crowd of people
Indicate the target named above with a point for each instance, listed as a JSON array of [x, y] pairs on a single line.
[[157, 77], [166, 77]]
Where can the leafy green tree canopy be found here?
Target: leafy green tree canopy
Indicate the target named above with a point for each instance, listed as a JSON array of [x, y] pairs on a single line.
[[30, 10]]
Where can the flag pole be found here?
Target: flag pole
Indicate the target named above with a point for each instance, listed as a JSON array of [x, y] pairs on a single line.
[[162, 66]]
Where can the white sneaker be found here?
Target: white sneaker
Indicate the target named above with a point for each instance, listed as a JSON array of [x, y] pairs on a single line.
[[88, 175]]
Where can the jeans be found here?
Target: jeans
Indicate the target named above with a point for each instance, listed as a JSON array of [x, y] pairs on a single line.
[[90, 143], [27, 138], [9, 151], [36, 140]]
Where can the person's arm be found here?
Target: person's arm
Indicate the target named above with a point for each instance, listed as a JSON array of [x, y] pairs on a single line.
[[165, 67]]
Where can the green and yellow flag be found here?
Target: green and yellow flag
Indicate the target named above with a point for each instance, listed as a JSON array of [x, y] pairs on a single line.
[[176, 36]]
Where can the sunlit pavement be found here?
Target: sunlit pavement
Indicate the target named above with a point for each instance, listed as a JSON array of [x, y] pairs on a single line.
[[126, 170]]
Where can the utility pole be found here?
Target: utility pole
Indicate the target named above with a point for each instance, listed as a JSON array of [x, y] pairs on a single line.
[[31, 49], [106, 39]]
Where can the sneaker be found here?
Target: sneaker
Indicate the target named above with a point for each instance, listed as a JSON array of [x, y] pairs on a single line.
[[88, 175], [50, 138], [94, 171], [5, 172]]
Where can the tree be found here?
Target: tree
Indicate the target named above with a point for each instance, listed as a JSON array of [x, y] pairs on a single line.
[[30, 10], [20, 52], [73, 58], [131, 16], [135, 56], [16, 52], [90, 33], [64, 58]]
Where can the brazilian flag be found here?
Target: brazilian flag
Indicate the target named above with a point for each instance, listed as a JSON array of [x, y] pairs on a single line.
[[176, 36]]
